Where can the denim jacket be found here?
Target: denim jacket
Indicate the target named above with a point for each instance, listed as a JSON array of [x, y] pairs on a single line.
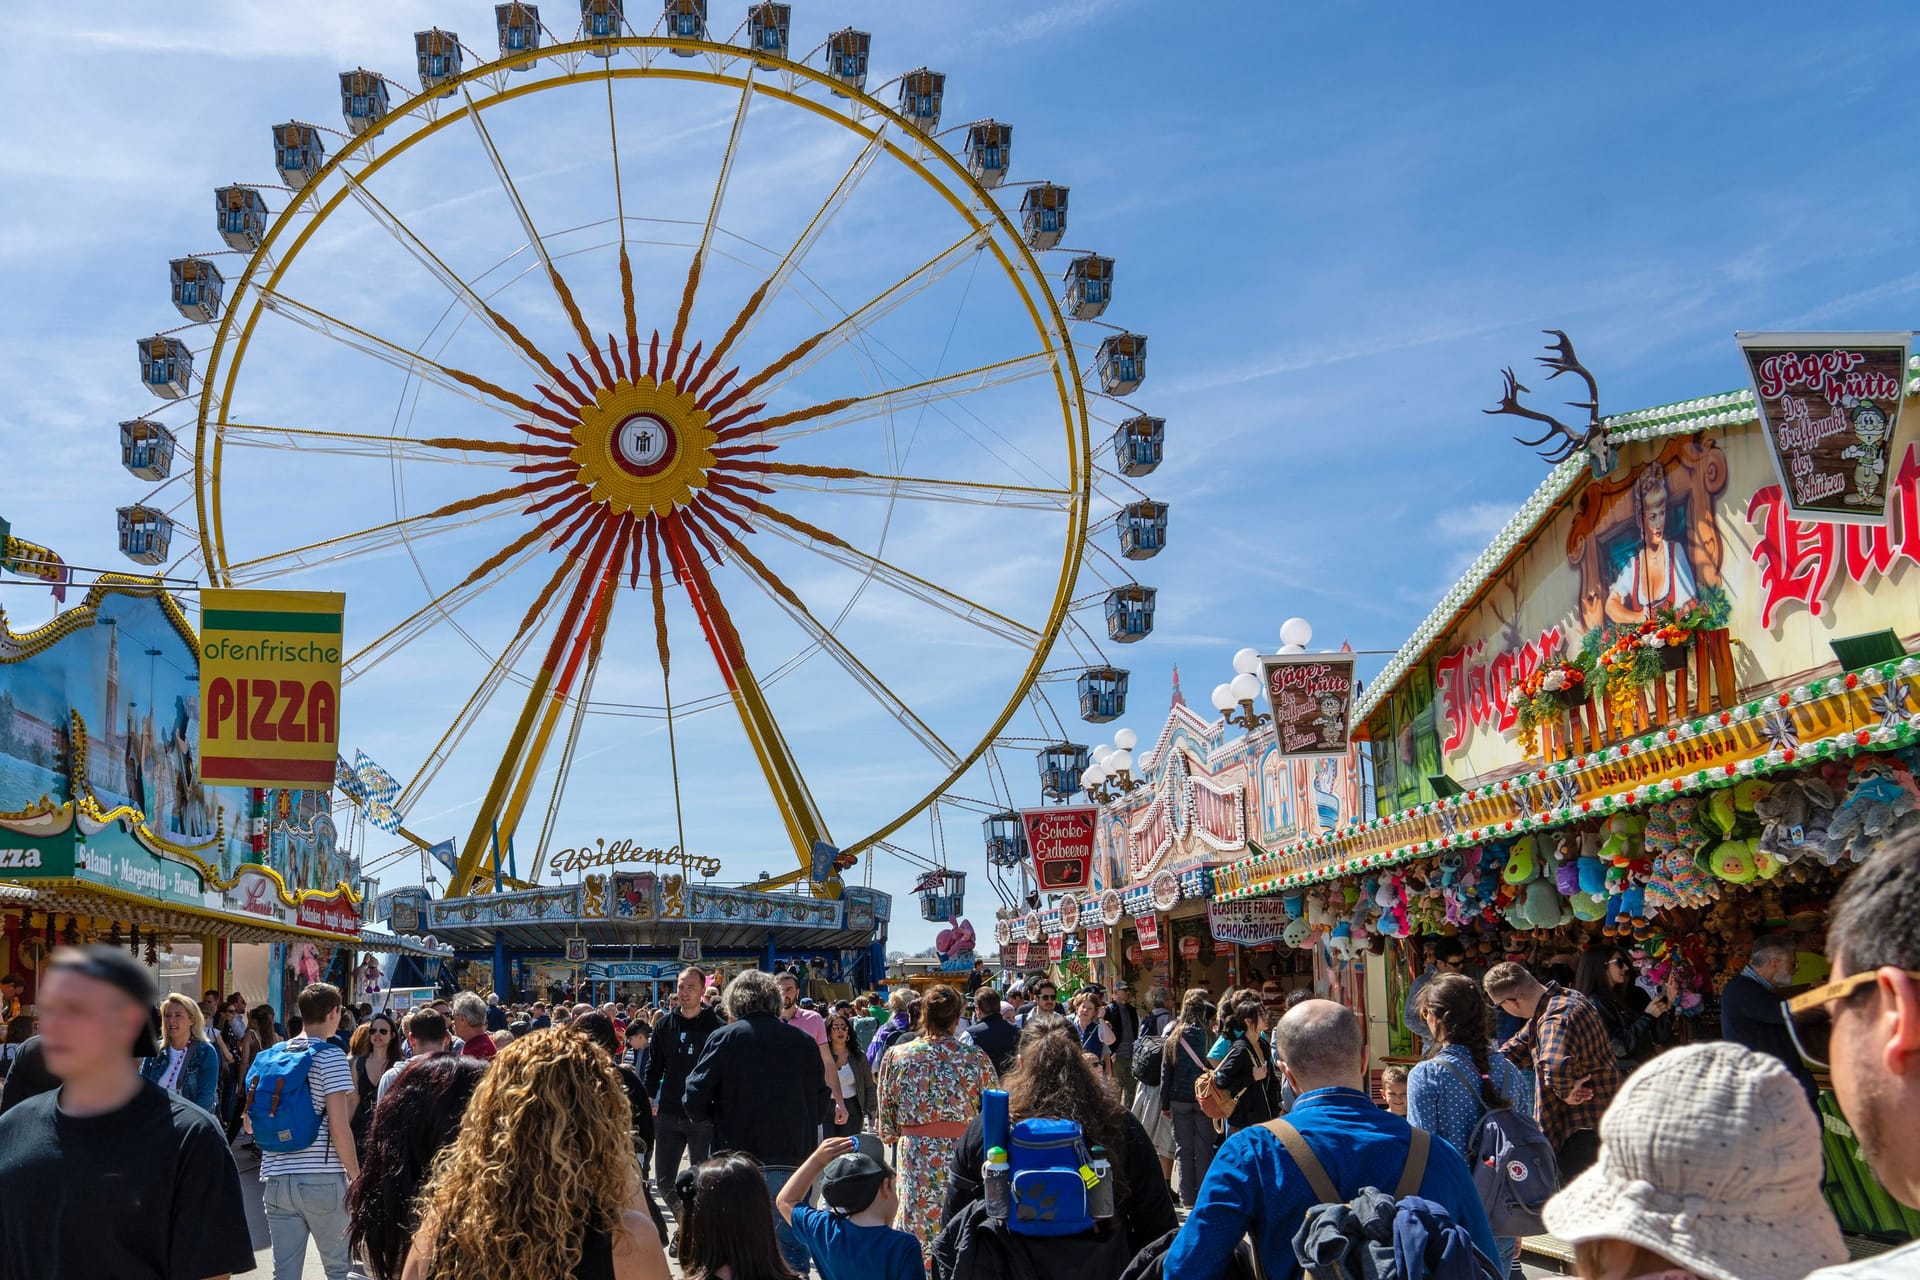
[[199, 1080]]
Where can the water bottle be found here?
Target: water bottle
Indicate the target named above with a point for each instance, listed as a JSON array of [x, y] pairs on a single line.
[[997, 1175], [995, 1131], [1100, 1194]]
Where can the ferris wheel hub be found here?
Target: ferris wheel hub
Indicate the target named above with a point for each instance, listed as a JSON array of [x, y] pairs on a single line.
[[643, 446]]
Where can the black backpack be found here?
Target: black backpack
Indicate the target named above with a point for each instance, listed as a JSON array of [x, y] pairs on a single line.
[[977, 1246], [1150, 1048]]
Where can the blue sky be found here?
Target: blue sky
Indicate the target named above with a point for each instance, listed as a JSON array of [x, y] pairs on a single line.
[[1336, 224]]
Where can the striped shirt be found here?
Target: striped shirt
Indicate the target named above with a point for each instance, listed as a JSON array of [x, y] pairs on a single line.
[[327, 1074]]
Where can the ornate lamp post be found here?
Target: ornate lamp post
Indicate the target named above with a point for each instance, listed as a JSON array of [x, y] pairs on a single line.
[[1110, 775], [1240, 692]]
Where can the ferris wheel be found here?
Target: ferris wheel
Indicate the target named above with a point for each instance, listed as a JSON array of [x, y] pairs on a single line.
[[637, 344]]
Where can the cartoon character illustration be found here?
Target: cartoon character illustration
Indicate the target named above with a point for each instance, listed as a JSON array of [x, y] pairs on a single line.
[[1657, 576], [1331, 723], [1870, 455]]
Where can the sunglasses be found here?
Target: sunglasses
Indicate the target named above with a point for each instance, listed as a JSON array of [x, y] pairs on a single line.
[[1810, 1015], [1455, 965]]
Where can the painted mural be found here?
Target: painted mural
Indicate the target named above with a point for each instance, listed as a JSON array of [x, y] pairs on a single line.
[[1206, 796], [111, 689], [1693, 528]]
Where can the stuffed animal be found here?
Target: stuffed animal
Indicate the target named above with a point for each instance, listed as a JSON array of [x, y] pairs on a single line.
[[1798, 812], [1452, 863], [1522, 862], [1881, 800]]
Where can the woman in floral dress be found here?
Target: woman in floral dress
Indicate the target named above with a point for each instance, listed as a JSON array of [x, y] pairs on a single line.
[[929, 1089]]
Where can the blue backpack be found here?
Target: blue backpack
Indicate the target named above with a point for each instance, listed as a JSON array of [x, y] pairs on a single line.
[[1047, 1159], [279, 1099]]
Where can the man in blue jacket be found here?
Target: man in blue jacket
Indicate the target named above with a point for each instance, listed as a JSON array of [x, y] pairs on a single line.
[[1255, 1187]]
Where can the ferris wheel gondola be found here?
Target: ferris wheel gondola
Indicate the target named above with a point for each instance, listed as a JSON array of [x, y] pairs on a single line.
[[696, 441]]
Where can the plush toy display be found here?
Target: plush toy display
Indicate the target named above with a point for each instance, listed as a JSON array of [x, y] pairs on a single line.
[[1881, 800], [1798, 812]]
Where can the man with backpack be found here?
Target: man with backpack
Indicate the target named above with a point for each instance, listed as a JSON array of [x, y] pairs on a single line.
[[1333, 1145], [300, 1099]]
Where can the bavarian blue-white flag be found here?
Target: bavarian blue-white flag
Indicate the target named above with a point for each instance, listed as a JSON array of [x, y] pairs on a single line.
[[381, 789]]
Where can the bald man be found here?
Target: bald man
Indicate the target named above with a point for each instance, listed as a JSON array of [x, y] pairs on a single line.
[[1254, 1185]]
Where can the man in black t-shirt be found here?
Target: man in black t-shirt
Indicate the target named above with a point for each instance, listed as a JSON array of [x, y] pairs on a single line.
[[112, 1175], [678, 1038]]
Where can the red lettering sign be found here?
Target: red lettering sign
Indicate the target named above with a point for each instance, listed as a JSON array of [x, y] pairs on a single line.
[[1148, 929], [337, 914], [1800, 560], [1475, 694]]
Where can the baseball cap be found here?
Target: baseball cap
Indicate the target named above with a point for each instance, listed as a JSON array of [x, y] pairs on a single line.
[[118, 969], [852, 1181]]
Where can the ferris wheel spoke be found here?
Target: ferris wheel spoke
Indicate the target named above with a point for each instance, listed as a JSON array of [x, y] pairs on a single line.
[[490, 572], [744, 423], [694, 269], [539, 245], [877, 308], [451, 280], [458, 381], [497, 673], [829, 547], [803, 243], [363, 542], [253, 435], [591, 590], [848, 480], [794, 607], [799, 813]]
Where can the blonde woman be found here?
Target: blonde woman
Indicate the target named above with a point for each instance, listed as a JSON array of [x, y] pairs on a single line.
[[541, 1182], [187, 1063]]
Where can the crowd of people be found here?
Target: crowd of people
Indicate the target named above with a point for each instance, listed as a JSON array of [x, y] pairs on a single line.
[[750, 1134]]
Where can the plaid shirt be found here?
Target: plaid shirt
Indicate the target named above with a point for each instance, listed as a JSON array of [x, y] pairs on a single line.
[[1564, 1043]]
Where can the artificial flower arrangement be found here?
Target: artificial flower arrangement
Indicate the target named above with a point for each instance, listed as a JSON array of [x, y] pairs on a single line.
[[1634, 656], [1546, 692]]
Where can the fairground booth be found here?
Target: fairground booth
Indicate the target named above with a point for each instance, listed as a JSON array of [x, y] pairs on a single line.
[[1672, 705], [108, 835]]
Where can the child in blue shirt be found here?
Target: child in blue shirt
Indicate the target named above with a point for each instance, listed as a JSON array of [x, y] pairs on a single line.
[[853, 1238]]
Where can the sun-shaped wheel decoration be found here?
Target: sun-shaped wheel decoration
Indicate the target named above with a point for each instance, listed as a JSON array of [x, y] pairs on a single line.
[[654, 313]]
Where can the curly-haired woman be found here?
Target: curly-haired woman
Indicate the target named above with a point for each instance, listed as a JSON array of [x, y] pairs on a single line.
[[419, 1116], [541, 1183]]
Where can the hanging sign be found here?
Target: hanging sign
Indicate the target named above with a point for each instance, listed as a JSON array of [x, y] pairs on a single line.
[[1061, 839], [1190, 948], [1069, 914], [1311, 696], [690, 951], [1097, 942], [1148, 929], [1111, 906], [1830, 403], [1056, 948], [1247, 922], [270, 688], [1021, 952]]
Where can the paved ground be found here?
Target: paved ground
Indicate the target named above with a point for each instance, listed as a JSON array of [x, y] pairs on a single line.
[[263, 1256]]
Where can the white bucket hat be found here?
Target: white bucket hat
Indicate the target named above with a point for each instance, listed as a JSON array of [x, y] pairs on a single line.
[[1709, 1156]]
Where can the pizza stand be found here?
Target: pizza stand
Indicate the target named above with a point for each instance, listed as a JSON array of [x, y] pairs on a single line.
[[109, 835]]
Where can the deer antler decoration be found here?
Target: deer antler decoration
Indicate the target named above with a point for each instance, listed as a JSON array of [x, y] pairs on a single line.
[[1593, 439]]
